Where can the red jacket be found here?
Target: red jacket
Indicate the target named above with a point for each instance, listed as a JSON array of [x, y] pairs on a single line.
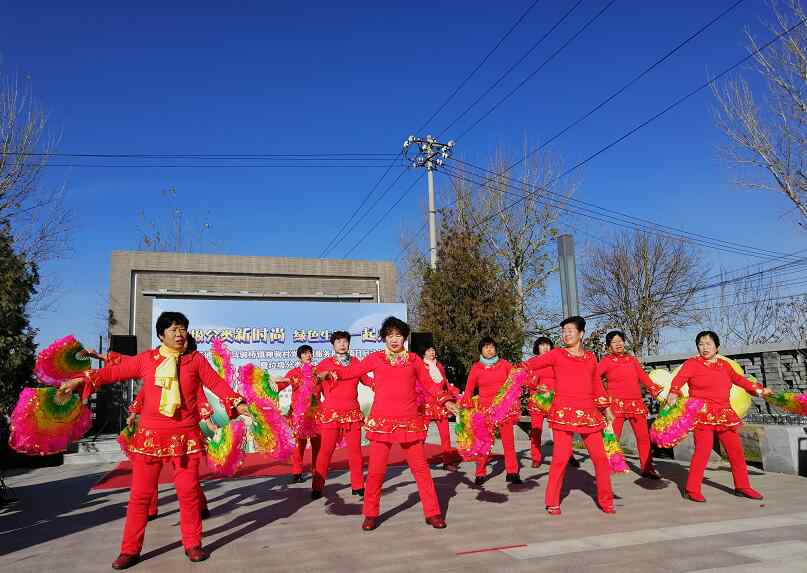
[[157, 434], [489, 379], [623, 374], [711, 382], [434, 409], [295, 376], [579, 393], [395, 416], [541, 380], [340, 404]]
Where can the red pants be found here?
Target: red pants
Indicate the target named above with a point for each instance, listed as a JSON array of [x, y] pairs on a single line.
[[299, 451], [416, 459], [509, 447], [155, 498], [329, 437], [145, 475], [536, 427], [562, 451], [704, 439], [639, 425], [445, 438]]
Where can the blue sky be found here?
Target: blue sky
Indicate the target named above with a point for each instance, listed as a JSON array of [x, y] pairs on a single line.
[[327, 77]]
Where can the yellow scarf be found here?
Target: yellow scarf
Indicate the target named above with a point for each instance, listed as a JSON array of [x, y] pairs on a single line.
[[165, 376]]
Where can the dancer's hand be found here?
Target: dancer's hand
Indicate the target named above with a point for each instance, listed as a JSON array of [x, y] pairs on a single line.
[[273, 386], [242, 408], [609, 415], [68, 387], [672, 398], [452, 407], [88, 353], [130, 419], [766, 392], [211, 426]]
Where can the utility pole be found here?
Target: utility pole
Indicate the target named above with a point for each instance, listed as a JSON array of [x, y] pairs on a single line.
[[568, 276], [431, 154]]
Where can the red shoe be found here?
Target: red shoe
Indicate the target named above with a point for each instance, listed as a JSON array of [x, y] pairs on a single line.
[[436, 521], [692, 496], [748, 492], [607, 509], [369, 524], [196, 554], [536, 463], [125, 560], [553, 509]]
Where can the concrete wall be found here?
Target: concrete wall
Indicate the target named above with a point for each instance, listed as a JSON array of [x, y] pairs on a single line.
[[137, 277]]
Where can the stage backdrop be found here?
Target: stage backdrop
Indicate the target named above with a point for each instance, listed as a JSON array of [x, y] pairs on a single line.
[[268, 333]]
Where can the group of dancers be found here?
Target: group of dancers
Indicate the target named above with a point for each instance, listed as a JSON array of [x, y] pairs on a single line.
[[410, 392]]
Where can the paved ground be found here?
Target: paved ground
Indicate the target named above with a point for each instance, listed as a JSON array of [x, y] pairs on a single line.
[[263, 524]]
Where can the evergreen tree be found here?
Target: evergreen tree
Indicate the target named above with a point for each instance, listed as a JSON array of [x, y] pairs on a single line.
[[18, 280], [465, 298]]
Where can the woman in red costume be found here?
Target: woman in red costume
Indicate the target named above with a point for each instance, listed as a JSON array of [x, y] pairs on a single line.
[[339, 416], [489, 375], [623, 374], [543, 381], [168, 430], [299, 378], [576, 408], [437, 412], [710, 379], [395, 419]]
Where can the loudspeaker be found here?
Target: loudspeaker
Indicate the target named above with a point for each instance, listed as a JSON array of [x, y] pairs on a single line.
[[420, 341], [123, 344]]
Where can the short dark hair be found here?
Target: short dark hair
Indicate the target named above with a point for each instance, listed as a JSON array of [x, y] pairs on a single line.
[[539, 341], [485, 341], [304, 348], [578, 321], [611, 335], [711, 334], [340, 334], [168, 319], [392, 323]]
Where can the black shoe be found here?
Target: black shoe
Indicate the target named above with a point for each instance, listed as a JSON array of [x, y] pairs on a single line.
[[479, 480], [205, 513], [573, 462], [297, 478], [316, 494], [514, 479], [152, 517], [358, 492]]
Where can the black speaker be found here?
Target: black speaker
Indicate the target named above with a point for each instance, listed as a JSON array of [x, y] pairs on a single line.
[[420, 341], [123, 344]]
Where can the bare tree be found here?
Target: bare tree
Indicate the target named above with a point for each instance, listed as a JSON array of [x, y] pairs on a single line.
[[643, 284], [771, 137], [519, 237], [177, 232], [794, 321], [39, 219], [749, 311]]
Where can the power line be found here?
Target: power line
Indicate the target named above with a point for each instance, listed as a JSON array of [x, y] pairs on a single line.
[[478, 66], [653, 118], [217, 166], [387, 212], [538, 69], [617, 93], [361, 204], [198, 155], [511, 68], [617, 219]]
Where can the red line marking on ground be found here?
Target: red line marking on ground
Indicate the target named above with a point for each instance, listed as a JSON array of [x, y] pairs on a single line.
[[489, 549]]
